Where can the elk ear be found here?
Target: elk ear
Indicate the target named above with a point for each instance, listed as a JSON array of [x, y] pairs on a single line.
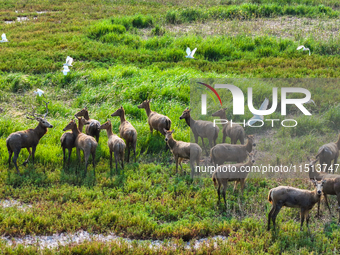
[[121, 107], [225, 108], [189, 110], [323, 181], [85, 107], [173, 131], [308, 158]]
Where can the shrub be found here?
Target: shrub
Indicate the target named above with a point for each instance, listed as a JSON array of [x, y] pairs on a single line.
[[102, 29]]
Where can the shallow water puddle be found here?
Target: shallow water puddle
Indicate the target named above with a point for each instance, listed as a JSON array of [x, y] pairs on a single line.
[[63, 239]]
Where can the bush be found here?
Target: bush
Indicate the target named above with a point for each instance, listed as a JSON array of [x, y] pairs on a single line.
[[102, 29], [157, 30], [142, 21]]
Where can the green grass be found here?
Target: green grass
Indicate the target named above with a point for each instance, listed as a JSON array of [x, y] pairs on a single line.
[[126, 52]]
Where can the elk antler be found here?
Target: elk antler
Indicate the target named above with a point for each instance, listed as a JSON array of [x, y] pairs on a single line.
[[32, 114], [46, 109]]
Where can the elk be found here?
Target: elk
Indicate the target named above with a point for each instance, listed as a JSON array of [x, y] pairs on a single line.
[[222, 175], [156, 121], [92, 128], [83, 142], [183, 150], [27, 139], [234, 131], [115, 144], [201, 128], [329, 152], [67, 139], [295, 198], [127, 132], [231, 152], [330, 187]]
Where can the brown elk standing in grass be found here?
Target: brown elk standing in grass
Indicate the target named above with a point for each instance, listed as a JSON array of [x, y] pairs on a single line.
[[116, 145], [67, 139], [295, 198], [183, 150], [330, 187], [231, 152], [234, 131], [329, 152], [201, 128], [27, 139], [92, 128], [83, 142], [223, 175], [127, 132], [156, 121]]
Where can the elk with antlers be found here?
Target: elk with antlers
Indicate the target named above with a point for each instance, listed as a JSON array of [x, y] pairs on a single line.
[[91, 129], [27, 139]]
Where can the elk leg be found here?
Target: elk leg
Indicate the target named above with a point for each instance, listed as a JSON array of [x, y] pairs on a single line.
[[335, 161], [318, 214], [275, 213], [78, 154], [223, 193], [235, 186], [270, 215], [196, 138], [224, 137], [242, 185], [69, 155], [134, 151], [307, 218], [86, 157], [29, 155], [33, 154], [10, 152], [64, 154], [116, 161], [122, 160], [180, 163], [326, 201], [219, 193], [176, 160], [303, 212], [241, 139], [128, 151], [93, 162], [16, 154], [205, 149], [110, 159], [338, 197]]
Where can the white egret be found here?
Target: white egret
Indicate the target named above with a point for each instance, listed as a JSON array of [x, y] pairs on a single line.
[[303, 48], [190, 54], [257, 118], [69, 61], [3, 38], [39, 92], [66, 70], [310, 101]]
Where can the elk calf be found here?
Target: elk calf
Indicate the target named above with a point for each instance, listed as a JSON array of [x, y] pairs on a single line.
[[116, 145], [156, 121], [83, 142], [92, 128], [231, 152], [296, 198], [67, 139], [183, 150], [27, 139], [222, 177], [127, 132], [234, 131], [201, 128]]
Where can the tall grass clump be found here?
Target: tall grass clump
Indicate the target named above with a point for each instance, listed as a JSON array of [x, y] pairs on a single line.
[[100, 29]]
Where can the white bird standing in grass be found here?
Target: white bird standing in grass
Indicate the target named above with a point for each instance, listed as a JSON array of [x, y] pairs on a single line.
[[303, 48], [3, 38], [66, 70], [257, 118], [310, 101], [190, 54], [69, 61], [39, 92]]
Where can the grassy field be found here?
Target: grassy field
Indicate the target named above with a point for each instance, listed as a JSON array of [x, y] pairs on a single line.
[[127, 52]]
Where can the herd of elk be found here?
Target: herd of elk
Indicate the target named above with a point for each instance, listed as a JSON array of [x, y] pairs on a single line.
[[325, 183]]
